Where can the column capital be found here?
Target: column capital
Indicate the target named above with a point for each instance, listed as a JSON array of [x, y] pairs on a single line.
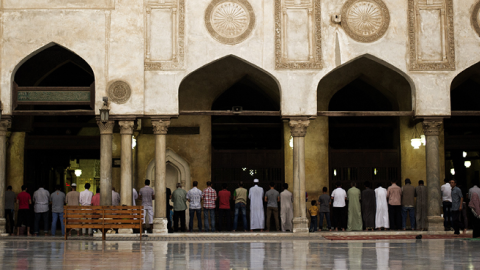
[[126, 127], [4, 125], [298, 126], [432, 126], [160, 126], [107, 128]]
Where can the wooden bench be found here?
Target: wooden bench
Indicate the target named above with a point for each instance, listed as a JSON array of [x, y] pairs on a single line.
[[103, 218]]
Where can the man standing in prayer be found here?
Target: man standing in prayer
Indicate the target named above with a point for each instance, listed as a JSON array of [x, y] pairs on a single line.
[[381, 216], [10, 209], [457, 205], [286, 206], [194, 196], [257, 215], [115, 197], [73, 199], [368, 206], [447, 205], [169, 210], [272, 197], [96, 198], [58, 201], [324, 201], [339, 196], [354, 209], [41, 198], [224, 215], [23, 200], [179, 199], [147, 195], [209, 197], [422, 206], [474, 189], [394, 196], [135, 197], [240, 196], [408, 204], [85, 199]]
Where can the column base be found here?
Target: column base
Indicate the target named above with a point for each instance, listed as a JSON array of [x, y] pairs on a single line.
[[300, 225], [3, 223], [435, 223], [160, 226], [125, 231]]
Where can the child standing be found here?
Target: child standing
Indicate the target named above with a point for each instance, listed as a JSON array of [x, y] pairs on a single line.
[[313, 215], [324, 201]]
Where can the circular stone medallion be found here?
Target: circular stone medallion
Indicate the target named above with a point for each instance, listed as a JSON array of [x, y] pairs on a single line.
[[230, 21], [365, 20], [476, 18], [119, 92]]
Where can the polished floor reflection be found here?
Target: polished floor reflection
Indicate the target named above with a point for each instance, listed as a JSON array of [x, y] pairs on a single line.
[[406, 254]]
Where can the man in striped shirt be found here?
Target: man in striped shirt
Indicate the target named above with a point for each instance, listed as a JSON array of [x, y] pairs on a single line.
[[209, 198], [194, 196]]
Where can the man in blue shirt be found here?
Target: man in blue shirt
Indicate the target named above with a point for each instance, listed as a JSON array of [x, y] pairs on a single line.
[[457, 202]]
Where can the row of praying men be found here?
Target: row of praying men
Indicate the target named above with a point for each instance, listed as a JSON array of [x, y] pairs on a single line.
[[379, 209], [41, 201], [209, 197]]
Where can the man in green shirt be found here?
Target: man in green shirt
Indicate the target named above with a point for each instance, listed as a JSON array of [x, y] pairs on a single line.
[[179, 199], [240, 196]]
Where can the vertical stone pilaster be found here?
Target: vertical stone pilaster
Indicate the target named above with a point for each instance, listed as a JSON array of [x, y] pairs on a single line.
[[298, 129], [431, 127], [160, 129], [106, 134], [4, 124], [126, 131]]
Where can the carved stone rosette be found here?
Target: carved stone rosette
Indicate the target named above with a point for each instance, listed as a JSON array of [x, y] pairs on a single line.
[[312, 40], [365, 20], [160, 126], [230, 21], [475, 19], [107, 128], [298, 127], [119, 92], [432, 127], [431, 35], [126, 127]]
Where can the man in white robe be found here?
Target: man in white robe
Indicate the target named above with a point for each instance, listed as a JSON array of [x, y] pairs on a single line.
[[286, 206], [381, 217], [257, 215]]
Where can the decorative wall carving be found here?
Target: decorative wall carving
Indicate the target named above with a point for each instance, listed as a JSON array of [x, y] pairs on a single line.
[[119, 92], [431, 35], [298, 127], [476, 18], [365, 20], [160, 126], [298, 34], [165, 35], [126, 127], [432, 127], [230, 21], [106, 128]]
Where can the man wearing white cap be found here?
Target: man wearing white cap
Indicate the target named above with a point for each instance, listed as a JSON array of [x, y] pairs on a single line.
[[257, 215], [72, 199]]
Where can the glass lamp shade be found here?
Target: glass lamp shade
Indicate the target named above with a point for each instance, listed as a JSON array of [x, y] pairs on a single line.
[[452, 171], [464, 154], [468, 164], [416, 143], [104, 112], [78, 172]]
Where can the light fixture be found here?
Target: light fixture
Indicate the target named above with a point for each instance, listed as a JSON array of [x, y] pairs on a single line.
[[291, 142], [424, 139], [78, 172], [416, 143], [335, 172], [134, 142], [375, 171], [464, 154], [244, 169], [468, 164], [104, 111], [452, 171]]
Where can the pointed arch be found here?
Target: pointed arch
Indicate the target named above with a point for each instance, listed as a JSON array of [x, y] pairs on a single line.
[[180, 164], [464, 93]]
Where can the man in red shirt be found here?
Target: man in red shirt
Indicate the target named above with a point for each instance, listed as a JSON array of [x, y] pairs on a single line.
[[24, 200], [224, 210], [96, 198]]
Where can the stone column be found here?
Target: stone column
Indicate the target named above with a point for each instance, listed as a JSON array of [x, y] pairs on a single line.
[[431, 128], [160, 129], [106, 134], [4, 124], [126, 130], [298, 128]]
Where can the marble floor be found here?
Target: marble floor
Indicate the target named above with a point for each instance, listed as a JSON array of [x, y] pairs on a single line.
[[291, 254]]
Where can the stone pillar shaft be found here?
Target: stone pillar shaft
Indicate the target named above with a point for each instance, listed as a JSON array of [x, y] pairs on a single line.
[[299, 130], [4, 124], [106, 134], [160, 129], [431, 129], [126, 131]]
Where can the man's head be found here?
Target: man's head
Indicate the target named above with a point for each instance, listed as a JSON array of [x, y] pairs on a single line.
[[98, 190], [393, 182], [24, 188], [407, 181], [421, 183], [74, 186], [476, 182], [338, 184], [446, 181], [325, 189], [256, 181], [314, 202], [367, 184], [224, 185], [354, 184], [113, 188], [209, 183], [272, 184], [195, 183], [57, 187], [285, 186], [379, 185], [147, 182], [179, 185], [240, 184], [453, 183], [87, 186], [9, 188]]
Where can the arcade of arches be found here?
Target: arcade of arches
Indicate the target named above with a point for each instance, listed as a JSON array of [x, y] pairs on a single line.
[[362, 132]]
